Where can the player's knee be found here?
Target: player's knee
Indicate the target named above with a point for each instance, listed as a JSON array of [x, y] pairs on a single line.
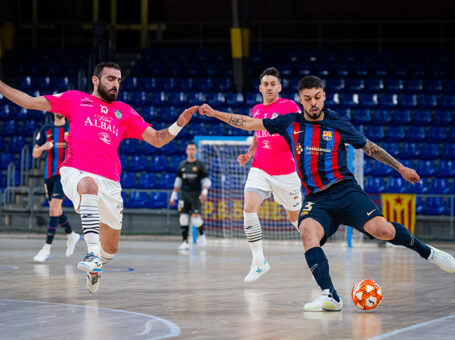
[[197, 221], [184, 219], [87, 185], [249, 208], [385, 231]]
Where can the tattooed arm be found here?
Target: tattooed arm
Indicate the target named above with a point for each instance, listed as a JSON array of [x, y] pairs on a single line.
[[239, 121], [383, 156], [162, 137]]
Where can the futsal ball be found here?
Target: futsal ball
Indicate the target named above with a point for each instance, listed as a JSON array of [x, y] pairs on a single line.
[[366, 294]]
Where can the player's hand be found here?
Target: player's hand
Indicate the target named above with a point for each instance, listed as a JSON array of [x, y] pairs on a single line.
[[48, 145], [202, 198], [172, 202], [186, 115], [243, 159], [409, 174], [206, 110]]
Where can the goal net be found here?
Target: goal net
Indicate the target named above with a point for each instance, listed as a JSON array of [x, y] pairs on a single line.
[[223, 210]]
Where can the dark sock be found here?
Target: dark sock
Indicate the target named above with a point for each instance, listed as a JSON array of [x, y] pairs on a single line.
[[404, 238], [319, 266], [64, 223], [51, 228], [184, 232], [201, 230]]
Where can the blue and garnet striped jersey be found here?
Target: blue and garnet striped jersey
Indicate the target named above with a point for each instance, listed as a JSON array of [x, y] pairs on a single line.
[[56, 155], [318, 147]]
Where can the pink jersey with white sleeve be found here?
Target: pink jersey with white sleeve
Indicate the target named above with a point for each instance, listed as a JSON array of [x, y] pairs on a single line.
[[96, 130], [272, 154]]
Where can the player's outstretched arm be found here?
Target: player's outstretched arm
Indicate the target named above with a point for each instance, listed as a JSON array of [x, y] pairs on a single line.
[[244, 158], [383, 156], [162, 137], [23, 99], [239, 121]]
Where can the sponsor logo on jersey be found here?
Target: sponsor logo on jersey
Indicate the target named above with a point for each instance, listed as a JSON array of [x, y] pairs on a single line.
[[327, 135], [194, 168], [87, 102], [299, 149], [105, 137], [104, 109], [274, 115], [118, 114], [266, 144]]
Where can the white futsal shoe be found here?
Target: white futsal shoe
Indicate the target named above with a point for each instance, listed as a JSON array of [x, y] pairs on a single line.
[[93, 265], [202, 241], [44, 254], [324, 303], [73, 240], [184, 246], [443, 260], [256, 271]]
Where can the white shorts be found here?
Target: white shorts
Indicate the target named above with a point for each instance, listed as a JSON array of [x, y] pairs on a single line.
[[110, 202], [286, 189]]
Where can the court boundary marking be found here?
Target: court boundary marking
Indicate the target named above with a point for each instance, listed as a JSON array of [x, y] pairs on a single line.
[[418, 325], [174, 329]]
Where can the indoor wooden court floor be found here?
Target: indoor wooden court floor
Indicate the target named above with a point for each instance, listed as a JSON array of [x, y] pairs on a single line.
[[151, 291]]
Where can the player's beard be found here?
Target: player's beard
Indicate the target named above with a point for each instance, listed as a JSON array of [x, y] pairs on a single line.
[[58, 116], [314, 115], [108, 95]]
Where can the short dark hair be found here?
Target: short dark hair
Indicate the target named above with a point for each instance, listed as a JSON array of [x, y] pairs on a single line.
[[310, 82], [100, 67], [271, 71], [192, 143]]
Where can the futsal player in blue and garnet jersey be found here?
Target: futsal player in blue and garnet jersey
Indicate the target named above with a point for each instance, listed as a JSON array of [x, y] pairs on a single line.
[[51, 138], [332, 196]]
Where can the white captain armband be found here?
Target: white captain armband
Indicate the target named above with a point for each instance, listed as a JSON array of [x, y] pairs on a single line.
[[174, 129]]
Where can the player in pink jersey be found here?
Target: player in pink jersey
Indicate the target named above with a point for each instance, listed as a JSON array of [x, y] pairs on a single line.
[[90, 174], [273, 171]]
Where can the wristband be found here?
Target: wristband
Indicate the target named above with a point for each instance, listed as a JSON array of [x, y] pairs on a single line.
[[174, 129], [205, 191], [173, 196]]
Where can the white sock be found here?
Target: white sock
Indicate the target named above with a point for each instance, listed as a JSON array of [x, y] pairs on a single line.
[[90, 219], [253, 232], [47, 246], [106, 257]]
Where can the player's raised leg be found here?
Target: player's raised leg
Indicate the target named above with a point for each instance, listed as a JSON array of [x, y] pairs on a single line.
[[253, 233]]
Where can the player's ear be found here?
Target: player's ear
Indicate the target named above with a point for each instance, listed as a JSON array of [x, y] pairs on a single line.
[[95, 81], [280, 87]]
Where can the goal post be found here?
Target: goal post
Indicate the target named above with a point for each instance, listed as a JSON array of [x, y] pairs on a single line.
[[223, 210]]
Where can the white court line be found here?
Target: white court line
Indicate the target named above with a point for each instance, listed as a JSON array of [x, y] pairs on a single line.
[[398, 331], [175, 330]]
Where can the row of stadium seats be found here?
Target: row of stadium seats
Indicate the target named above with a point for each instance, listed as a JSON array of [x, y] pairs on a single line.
[[411, 134], [425, 168], [438, 186]]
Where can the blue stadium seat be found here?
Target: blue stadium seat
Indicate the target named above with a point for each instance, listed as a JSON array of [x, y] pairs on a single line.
[[442, 118], [448, 151], [204, 84], [409, 151], [139, 98], [433, 206], [146, 149], [138, 163], [131, 84], [447, 101], [9, 128], [136, 200], [168, 113], [253, 98], [123, 161], [350, 100], [157, 200], [216, 98], [22, 113], [361, 116], [380, 169], [419, 205], [5, 112], [166, 181], [436, 134], [421, 187], [374, 85], [392, 148], [177, 99], [374, 184], [395, 185], [150, 114], [124, 96], [428, 101], [197, 129], [196, 97], [408, 101], [425, 168], [44, 83], [332, 100], [367, 167], [186, 84], [446, 168], [223, 84], [450, 86], [234, 99], [217, 130], [395, 134], [368, 100], [388, 100], [336, 85], [128, 180], [149, 84], [16, 144], [169, 149], [433, 86], [6, 159], [401, 117], [26, 83], [168, 84], [128, 146], [173, 164], [414, 85], [355, 85], [439, 186], [394, 85], [148, 180], [415, 134], [345, 112], [429, 151], [62, 83], [158, 99], [375, 133], [421, 118], [381, 117], [157, 163]]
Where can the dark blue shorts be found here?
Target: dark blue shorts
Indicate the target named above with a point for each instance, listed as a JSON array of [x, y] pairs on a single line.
[[53, 188], [343, 203]]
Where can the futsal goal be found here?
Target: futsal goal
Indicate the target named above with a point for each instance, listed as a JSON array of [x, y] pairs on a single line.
[[223, 210]]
